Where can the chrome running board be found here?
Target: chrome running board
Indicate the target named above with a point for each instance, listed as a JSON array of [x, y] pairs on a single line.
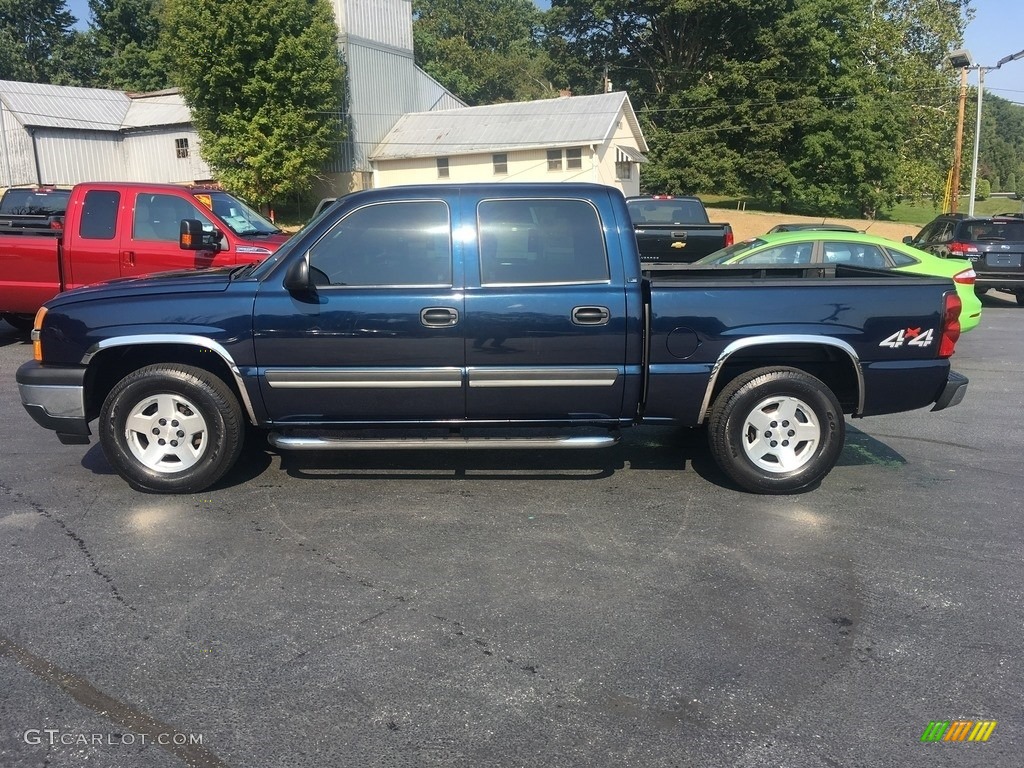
[[457, 443]]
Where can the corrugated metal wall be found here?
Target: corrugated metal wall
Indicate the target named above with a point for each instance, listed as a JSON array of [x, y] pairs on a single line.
[[16, 163], [381, 92], [68, 157], [386, 22], [152, 156]]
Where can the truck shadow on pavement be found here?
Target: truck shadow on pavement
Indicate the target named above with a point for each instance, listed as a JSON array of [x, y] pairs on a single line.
[[12, 337], [651, 448], [662, 449]]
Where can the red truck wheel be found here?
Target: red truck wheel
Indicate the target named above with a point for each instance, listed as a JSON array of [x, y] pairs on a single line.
[[776, 430], [22, 323], [171, 429]]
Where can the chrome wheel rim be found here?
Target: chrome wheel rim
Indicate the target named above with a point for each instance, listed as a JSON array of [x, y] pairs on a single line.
[[781, 434], [166, 433]]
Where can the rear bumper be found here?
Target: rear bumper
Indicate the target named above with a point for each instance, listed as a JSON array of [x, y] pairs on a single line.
[[55, 399], [952, 393], [1011, 282]]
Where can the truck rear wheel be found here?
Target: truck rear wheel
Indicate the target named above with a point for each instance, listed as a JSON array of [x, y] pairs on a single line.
[[171, 428], [776, 430], [22, 323]]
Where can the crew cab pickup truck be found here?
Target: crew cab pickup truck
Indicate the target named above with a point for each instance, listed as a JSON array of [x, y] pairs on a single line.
[[454, 316], [675, 230], [117, 230]]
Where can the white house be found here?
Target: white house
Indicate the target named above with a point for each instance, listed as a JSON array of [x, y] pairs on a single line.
[[576, 138], [52, 134]]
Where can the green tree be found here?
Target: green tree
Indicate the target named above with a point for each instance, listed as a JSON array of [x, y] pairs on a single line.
[[485, 51], [264, 82], [125, 35], [32, 33], [819, 105]]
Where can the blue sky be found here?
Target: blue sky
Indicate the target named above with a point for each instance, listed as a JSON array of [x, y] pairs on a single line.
[[997, 31]]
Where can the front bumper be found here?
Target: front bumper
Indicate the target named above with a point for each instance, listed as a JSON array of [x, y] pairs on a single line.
[[953, 391], [55, 399]]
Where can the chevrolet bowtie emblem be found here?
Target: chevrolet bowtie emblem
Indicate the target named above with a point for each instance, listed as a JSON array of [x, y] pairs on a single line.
[[678, 244]]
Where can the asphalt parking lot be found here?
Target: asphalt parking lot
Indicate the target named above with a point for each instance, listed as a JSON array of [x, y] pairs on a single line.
[[616, 608]]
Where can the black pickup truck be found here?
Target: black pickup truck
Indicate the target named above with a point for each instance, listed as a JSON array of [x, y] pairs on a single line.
[[675, 230], [23, 208], [505, 316]]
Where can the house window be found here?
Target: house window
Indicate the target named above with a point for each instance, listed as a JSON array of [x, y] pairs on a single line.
[[181, 148], [442, 167], [554, 159], [574, 158], [623, 170], [500, 164]]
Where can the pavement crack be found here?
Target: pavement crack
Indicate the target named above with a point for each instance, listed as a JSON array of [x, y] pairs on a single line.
[[71, 534]]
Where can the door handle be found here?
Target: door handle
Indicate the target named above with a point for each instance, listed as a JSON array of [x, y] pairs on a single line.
[[591, 315], [439, 317], [128, 258]]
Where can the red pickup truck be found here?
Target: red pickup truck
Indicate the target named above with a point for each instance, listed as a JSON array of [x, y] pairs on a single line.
[[123, 230]]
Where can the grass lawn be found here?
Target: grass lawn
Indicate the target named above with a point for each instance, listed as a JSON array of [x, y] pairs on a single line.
[[917, 214]]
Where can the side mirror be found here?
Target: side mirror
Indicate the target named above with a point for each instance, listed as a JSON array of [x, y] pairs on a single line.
[[192, 236], [296, 279], [908, 240]]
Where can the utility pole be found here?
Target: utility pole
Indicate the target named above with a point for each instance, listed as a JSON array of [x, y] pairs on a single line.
[[977, 140], [959, 149]]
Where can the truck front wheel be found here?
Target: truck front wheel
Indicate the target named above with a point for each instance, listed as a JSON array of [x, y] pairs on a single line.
[[171, 428], [776, 430]]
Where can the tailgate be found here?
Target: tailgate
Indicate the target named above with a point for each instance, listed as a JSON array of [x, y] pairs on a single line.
[[29, 272], [678, 244]]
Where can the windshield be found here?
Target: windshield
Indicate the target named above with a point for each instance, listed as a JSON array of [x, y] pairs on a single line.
[[727, 254], [236, 215]]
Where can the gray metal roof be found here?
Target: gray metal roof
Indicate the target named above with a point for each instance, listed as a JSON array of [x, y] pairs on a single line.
[[548, 123], [149, 110], [90, 109]]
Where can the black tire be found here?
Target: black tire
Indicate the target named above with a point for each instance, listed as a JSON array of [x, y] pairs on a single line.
[[811, 427], [980, 291], [22, 323], [194, 412], [1020, 297]]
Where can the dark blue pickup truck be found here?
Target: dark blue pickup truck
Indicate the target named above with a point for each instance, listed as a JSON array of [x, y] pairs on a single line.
[[503, 316]]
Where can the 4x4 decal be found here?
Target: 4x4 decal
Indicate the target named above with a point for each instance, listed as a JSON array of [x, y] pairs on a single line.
[[912, 337]]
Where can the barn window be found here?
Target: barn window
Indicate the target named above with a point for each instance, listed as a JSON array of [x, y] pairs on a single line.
[[574, 158], [442, 168], [500, 164], [181, 148]]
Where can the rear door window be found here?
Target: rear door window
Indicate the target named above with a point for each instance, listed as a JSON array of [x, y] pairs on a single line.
[[538, 242], [99, 215]]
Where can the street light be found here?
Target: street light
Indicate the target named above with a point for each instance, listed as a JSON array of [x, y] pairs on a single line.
[[977, 130]]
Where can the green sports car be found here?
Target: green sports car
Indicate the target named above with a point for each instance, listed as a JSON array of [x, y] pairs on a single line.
[[857, 249]]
